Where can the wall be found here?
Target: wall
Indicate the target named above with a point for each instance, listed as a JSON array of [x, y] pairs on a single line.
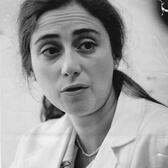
[[19, 106]]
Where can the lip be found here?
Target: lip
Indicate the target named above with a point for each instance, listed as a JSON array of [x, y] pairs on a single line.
[[74, 88]]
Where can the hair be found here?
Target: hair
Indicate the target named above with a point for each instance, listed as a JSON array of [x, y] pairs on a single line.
[[30, 12]]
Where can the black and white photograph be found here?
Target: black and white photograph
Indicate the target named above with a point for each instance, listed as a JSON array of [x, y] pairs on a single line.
[[84, 83]]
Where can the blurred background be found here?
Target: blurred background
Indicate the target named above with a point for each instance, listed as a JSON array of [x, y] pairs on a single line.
[[145, 55]]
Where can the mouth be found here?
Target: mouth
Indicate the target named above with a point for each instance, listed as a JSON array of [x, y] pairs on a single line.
[[74, 88]]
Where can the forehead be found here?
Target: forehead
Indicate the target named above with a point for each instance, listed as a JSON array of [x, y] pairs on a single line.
[[66, 20]]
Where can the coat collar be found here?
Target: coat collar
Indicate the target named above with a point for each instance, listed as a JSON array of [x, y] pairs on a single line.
[[127, 120]]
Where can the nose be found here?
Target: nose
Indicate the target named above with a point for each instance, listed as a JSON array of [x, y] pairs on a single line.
[[71, 66]]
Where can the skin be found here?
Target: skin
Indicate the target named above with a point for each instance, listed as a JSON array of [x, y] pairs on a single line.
[[78, 50]]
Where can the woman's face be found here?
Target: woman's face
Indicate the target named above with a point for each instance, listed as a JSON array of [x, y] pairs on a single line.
[[72, 60]]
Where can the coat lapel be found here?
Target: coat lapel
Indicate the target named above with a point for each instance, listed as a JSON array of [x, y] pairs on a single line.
[[125, 125], [105, 158]]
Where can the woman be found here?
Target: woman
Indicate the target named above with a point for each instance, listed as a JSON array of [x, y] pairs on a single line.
[[100, 117]]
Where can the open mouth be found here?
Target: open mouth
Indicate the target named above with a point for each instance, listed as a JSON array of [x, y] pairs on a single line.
[[74, 89]]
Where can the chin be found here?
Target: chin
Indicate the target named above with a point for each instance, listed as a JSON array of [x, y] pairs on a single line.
[[78, 110]]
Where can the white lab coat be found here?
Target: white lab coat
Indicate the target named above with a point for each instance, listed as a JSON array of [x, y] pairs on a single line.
[[138, 138]]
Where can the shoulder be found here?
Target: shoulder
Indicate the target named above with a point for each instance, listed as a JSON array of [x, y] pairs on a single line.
[[155, 118], [41, 136], [153, 132], [48, 129], [50, 126], [42, 139]]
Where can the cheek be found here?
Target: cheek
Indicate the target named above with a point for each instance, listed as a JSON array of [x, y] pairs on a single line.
[[48, 81], [45, 74], [101, 76], [103, 68], [104, 75]]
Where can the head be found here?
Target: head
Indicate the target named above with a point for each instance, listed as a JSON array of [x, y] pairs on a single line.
[[100, 16], [31, 11]]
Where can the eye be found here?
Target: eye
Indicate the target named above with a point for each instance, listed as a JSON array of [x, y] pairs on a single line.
[[87, 47], [51, 51]]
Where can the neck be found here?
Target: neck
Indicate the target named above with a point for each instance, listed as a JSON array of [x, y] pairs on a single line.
[[92, 129]]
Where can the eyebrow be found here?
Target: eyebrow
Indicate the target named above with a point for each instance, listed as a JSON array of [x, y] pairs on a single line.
[[47, 36], [76, 32], [84, 30]]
